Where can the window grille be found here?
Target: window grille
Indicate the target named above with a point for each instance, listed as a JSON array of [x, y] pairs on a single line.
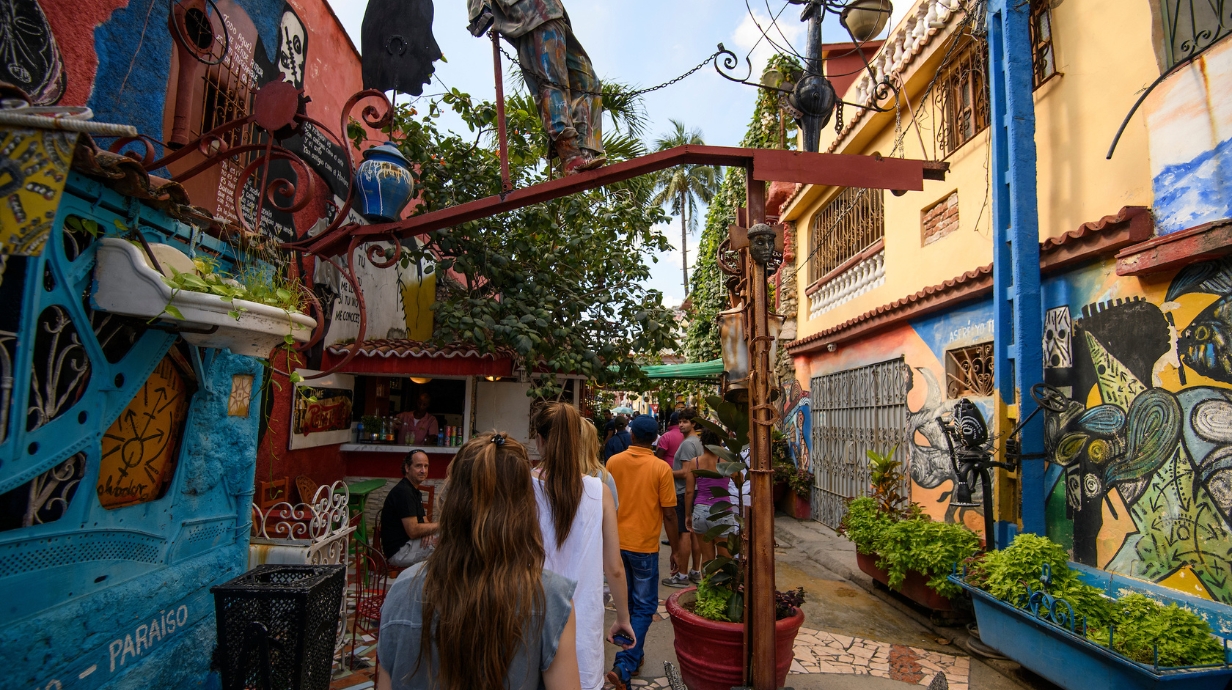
[[851, 222], [227, 95], [1043, 59], [968, 371], [1192, 25], [960, 99]]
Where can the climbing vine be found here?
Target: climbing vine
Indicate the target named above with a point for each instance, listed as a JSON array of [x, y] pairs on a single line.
[[708, 293]]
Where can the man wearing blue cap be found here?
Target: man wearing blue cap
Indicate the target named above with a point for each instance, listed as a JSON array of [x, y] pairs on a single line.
[[647, 505]]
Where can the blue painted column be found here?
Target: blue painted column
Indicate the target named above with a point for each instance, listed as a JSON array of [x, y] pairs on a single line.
[[1015, 218]]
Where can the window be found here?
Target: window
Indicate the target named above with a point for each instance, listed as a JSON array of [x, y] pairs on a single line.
[[968, 371], [1043, 59], [960, 103], [851, 222], [1192, 25]]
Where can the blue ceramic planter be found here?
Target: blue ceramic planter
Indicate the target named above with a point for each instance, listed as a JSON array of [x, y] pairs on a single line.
[[383, 183], [1070, 660]]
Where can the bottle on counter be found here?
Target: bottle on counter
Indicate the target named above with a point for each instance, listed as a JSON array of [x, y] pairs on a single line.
[[389, 430], [440, 437], [359, 432]]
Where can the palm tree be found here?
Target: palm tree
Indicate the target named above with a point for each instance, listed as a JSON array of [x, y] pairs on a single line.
[[684, 186]]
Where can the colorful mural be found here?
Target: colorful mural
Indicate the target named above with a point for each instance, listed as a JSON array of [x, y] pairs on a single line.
[[1141, 461], [798, 425]]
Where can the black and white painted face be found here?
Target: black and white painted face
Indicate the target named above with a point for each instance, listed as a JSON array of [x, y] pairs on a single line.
[[292, 49]]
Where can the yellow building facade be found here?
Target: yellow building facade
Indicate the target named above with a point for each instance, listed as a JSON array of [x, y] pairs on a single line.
[[895, 307]]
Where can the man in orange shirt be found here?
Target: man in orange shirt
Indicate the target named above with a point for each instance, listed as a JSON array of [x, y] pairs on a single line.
[[647, 504]]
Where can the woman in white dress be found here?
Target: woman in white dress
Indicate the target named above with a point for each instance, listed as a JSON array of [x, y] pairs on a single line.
[[577, 516]]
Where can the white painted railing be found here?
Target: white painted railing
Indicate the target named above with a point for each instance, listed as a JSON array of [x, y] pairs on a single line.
[[848, 285]]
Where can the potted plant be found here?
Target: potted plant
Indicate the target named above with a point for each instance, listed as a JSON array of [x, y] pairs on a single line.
[[208, 308], [708, 620], [1091, 630], [797, 499], [899, 546]]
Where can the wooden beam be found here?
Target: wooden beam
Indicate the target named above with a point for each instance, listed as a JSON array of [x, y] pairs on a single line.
[[770, 165]]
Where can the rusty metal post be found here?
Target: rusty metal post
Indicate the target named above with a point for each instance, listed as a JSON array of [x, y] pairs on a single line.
[[761, 417], [501, 135]]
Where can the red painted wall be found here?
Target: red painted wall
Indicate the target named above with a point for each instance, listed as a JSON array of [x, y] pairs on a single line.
[[324, 464], [73, 25]]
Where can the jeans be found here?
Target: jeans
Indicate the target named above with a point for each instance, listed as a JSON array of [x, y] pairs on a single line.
[[642, 577], [411, 553]]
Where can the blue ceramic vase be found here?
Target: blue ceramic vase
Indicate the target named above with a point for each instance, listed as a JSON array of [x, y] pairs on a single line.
[[383, 183]]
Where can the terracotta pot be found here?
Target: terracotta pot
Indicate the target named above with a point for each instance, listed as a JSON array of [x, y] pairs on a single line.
[[710, 651], [794, 504], [915, 585]]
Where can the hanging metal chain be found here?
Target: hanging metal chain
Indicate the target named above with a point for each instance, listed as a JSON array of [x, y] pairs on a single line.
[[543, 78]]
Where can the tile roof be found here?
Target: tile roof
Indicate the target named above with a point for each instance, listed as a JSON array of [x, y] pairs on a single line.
[[126, 176], [402, 348], [1131, 225]]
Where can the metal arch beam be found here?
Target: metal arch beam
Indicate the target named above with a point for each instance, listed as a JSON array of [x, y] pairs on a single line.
[[768, 165]]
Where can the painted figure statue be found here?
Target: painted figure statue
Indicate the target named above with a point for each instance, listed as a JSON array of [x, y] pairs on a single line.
[[558, 74]]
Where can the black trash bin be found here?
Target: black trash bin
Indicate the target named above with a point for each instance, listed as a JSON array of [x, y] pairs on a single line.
[[277, 625]]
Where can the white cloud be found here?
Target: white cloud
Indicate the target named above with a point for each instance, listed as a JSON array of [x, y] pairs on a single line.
[[787, 33], [672, 301]]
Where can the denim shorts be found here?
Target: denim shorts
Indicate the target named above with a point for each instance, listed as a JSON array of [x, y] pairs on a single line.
[[703, 522]]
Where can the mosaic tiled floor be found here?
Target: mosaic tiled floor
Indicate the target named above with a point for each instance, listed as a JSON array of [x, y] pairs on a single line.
[[817, 651]]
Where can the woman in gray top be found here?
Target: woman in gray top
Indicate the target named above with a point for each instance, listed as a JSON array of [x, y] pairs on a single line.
[[482, 612]]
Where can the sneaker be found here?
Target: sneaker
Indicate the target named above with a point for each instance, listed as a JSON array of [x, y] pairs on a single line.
[[677, 580], [695, 577]]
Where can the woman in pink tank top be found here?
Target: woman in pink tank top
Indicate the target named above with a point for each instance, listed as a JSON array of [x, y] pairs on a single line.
[[700, 500]]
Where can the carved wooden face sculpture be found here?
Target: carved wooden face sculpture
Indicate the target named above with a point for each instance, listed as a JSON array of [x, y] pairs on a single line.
[[761, 243]]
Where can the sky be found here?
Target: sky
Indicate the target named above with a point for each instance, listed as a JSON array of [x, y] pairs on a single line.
[[641, 43]]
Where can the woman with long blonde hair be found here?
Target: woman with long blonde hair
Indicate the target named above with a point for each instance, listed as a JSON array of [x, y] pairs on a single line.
[[481, 612], [578, 520], [589, 456]]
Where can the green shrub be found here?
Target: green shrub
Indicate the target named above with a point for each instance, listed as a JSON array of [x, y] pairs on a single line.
[[930, 548], [712, 601], [864, 524], [916, 543], [1141, 624]]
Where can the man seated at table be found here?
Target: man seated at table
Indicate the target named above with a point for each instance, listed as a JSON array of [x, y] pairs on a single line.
[[405, 538], [419, 428]]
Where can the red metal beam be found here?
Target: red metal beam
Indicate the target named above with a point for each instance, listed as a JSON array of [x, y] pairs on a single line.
[[769, 165]]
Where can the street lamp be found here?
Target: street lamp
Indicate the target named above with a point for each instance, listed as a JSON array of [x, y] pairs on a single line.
[[813, 100], [865, 19]]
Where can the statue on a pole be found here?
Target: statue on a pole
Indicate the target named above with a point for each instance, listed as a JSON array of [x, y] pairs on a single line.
[[558, 73]]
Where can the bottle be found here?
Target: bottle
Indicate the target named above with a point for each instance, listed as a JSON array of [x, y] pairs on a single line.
[[389, 430], [440, 437], [359, 432], [457, 435]]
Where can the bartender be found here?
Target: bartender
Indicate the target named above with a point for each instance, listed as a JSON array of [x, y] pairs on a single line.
[[419, 426]]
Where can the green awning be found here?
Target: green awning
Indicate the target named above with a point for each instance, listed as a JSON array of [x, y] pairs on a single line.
[[703, 371]]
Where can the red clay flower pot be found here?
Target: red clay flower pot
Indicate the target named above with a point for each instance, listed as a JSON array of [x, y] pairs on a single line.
[[915, 585], [710, 651]]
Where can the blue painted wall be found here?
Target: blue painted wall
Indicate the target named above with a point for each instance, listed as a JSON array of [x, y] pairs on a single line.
[[119, 598], [131, 86]]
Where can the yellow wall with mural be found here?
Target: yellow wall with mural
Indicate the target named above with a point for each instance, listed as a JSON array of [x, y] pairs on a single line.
[[1104, 57]]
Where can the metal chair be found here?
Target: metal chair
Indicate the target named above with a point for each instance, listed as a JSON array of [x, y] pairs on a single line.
[[371, 584]]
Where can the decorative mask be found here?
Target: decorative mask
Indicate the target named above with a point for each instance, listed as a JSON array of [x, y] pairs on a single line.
[[761, 243]]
